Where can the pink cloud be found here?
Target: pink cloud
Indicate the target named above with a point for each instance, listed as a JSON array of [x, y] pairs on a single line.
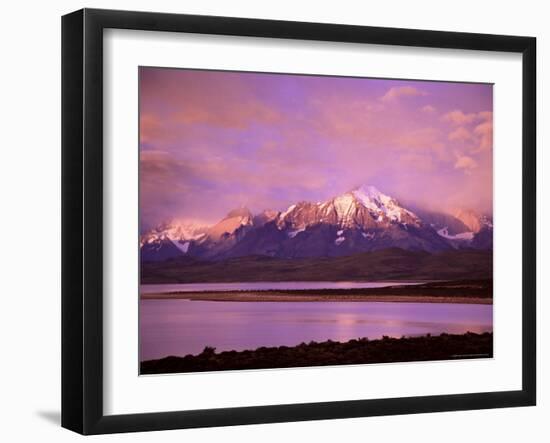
[[238, 116], [149, 127], [401, 91], [485, 133], [420, 162], [424, 139], [465, 163], [485, 115], [458, 117], [349, 118], [429, 109], [269, 140], [475, 132], [460, 134]]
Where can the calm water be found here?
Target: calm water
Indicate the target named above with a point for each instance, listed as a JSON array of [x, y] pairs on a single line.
[[181, 327], [259, 286]]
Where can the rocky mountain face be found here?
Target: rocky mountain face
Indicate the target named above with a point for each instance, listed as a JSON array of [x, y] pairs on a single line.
[[473, 221], [361, 220]]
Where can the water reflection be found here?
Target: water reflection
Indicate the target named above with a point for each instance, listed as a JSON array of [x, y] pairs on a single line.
[[181, 327]]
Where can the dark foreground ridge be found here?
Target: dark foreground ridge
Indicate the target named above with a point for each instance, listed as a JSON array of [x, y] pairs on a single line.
[[328, 353]]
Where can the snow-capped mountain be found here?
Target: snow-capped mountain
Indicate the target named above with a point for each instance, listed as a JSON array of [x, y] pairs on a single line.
[[174, 230], [480, 225], [463, 227], [238, 219], [362, 208], [170, 239], [177, 238], [363, 219]]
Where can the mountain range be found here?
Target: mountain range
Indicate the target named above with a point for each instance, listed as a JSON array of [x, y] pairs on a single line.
[[358, 221]]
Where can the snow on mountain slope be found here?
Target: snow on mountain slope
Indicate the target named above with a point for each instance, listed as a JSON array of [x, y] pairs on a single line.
[[463, 228], [171, 239], [360, 220], [363, 207], [380, 203], [176, 231], [444, 232]]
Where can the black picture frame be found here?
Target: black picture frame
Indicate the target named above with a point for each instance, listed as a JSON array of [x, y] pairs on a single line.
[[82, 218]]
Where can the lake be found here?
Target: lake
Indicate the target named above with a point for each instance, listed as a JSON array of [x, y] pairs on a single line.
[[263, 286], [181, 327]]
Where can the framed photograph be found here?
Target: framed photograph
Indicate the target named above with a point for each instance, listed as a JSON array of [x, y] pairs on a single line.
[[268, 221]]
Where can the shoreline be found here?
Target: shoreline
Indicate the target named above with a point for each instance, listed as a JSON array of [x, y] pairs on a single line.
[[280, 296], [329, 353], [463, 291]]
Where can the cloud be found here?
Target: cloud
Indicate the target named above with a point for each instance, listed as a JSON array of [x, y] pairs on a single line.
[[465, 163], [420, 162], [211, 141], [423, 140], [458, 117], [429, 109], [485, 115], [484, 131], [475, 130], [460, 134], [420, 137], [401, 91], [240, 115], [149, 127], [156, 163]]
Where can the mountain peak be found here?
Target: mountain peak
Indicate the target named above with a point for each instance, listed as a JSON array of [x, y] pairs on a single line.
[[234, 220], [241, 211], [175, 230], [370, 197], [369, 190], [360, 220]]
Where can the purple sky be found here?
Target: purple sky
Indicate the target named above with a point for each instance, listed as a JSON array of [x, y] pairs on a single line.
[[212, 141]]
